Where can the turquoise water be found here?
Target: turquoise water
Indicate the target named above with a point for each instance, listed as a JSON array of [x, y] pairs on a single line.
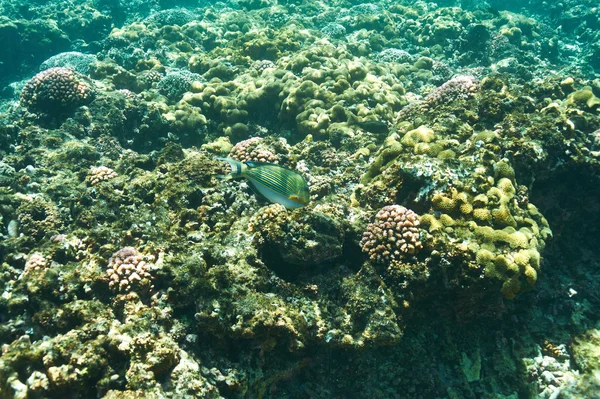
[[448, 250]]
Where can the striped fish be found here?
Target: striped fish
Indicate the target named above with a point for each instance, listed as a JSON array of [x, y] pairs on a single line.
[[272, 182]]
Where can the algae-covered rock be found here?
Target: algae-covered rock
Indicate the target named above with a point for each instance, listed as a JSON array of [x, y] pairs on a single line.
[[584, 97], [307, 240], [586, 351]]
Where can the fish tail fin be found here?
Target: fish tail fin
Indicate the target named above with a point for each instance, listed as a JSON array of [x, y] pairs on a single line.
[[237, 168]]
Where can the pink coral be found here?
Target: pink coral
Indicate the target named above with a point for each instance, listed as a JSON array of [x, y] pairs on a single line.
[[393, 236], [56, 89], [458, 88], [99, 174], [127, 271], [36, 262], [253, 149]]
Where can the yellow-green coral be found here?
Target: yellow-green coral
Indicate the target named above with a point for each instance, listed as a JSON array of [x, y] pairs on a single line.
[[482, 215], [422, 134], [507, 188], [510, 269], [465, 208], [391, 150], [507, 236], [584, 97], [502, 217], [522, 258], [430, 222], [185, 116], [504, 238], [511, 287], [487, 136], [447, 220], [484, 256], [443, 203], [431, 150], [446, 154], [480, 201], [461, 197], [503, 169]]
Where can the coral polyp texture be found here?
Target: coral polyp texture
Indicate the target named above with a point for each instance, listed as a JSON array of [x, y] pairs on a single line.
[[128, 271], [36, 262], [450, 245], [56, 89], [395, 235], [506, 237], [253, 149], [99, 174], [459, 87]]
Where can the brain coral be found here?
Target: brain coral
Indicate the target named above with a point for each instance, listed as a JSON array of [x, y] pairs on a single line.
[[55, 90]]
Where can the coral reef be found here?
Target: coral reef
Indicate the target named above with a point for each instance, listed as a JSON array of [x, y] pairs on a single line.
[[450, 245], [259, 150], [73, 60], [175, 84], [35, 263]]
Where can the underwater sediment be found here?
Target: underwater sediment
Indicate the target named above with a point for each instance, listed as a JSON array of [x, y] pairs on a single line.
[[449, 248]]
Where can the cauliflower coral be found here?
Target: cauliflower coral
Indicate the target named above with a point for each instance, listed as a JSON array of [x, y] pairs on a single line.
[[127, 271], [56, 89], [395, 235]]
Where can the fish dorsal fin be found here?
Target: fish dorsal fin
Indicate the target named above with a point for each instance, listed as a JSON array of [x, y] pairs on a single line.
[[256, 164]]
